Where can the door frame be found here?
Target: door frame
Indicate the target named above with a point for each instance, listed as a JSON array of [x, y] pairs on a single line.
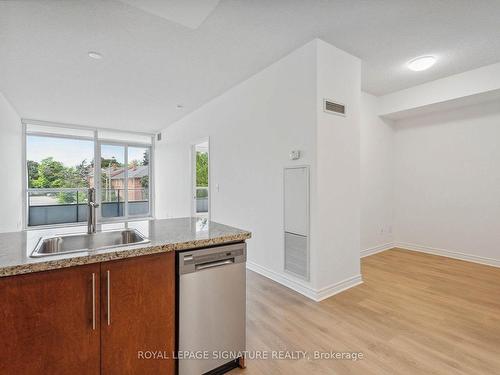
[[192, 152]]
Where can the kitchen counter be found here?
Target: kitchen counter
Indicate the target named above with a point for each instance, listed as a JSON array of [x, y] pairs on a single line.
[[164, 235]]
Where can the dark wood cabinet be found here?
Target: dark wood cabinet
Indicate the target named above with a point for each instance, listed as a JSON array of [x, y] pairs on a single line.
[[90, 320], [49, 322], [138, 315]]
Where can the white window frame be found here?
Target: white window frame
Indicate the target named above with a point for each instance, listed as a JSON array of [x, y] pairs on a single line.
[[97, 170]]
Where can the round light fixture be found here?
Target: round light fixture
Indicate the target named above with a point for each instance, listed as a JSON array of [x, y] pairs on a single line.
[[421, 63], [95, 55]]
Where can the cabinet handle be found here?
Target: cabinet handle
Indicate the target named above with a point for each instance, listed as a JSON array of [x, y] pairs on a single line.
[[108, 280], [93, 301]]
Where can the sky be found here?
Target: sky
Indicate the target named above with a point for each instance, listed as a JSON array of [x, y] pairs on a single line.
[[72, 152]]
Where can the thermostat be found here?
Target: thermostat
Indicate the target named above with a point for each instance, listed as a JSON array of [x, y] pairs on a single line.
[[294, 155]]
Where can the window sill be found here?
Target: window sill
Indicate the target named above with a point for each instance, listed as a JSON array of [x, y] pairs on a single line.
[[84, 224]]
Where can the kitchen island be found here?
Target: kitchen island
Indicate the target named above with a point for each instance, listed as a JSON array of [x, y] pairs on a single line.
[[164, 235], [106, 311]]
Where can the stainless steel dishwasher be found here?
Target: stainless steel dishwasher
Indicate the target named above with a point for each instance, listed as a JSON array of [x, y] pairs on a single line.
[[212, 309]]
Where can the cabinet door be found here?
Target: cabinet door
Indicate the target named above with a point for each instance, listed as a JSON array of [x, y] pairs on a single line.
[[49, 322], [138, 315]]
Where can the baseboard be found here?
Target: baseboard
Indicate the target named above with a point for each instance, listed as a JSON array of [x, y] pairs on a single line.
[[377, 249], [321, 294], [282, 279], [305, 290], [336, 288], [448, 253]]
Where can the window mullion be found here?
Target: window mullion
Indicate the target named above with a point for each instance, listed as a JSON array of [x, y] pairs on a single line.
[[125, 184], [150, 178], [97, 175]]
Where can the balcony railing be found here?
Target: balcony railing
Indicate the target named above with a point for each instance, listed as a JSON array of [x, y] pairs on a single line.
[[112, 202], [201, 199], [59, 206]]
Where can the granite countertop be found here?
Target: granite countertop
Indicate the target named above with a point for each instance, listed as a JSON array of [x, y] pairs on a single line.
[[164, 235]]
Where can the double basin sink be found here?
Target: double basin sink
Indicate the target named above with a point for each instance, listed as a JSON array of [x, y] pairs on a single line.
[[73, 243]]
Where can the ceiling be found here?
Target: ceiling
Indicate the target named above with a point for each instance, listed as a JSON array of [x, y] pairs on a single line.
[[156, 57], [189, 13]]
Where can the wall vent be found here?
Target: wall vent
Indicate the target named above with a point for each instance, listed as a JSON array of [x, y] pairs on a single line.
[[329, 106], [297, 255]]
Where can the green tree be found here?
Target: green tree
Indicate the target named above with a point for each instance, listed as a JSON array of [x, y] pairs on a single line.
[[202, 169], [112, 162], [32, 167], [83, 172], [51, 173]]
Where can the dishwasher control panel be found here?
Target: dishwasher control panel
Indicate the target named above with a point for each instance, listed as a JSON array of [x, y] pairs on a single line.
[[197, 260]]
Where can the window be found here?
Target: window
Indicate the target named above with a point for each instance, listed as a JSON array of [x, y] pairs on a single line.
[[60, 168], [138, 180], [59, 171], [124, 190], [112, 180]]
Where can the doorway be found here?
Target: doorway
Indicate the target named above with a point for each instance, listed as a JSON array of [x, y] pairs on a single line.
[[201, 179]]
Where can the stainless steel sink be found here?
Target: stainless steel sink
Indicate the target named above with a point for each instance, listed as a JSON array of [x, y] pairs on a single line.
[[72, 243]]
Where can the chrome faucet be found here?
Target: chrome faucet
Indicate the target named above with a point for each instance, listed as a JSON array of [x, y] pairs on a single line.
[[92, 205]]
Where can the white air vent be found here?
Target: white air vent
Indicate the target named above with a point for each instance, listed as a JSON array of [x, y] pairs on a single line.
[[330, 106], [297, 255]]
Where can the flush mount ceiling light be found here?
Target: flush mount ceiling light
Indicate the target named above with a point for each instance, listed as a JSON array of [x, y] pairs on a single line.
[[421, 63], [95, 55]]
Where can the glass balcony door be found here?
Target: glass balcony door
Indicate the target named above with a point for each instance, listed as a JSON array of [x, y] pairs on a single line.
[[200, 180], [125, 181], [112, 186]]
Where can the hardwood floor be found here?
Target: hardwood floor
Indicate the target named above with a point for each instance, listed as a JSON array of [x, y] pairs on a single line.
[[415, 314]]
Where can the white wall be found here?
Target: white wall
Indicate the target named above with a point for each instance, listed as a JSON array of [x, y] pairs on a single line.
[[336, 225], [377, 177], [467, 84], [447, 187], [10, 153], [252, 128]]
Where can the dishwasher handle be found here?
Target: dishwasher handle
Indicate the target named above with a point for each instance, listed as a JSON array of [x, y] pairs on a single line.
[[219, 263]]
